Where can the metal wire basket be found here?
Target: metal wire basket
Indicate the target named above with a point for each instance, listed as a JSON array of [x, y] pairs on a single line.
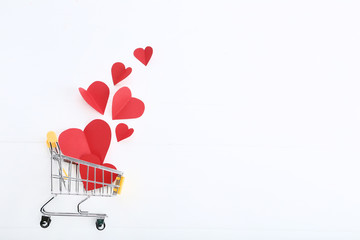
[[66, 179]]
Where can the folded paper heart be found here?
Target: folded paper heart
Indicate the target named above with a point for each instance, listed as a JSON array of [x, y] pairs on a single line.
[[119, 72], [95, 139], [101, 177], [125, 107], [143, 55], [96, 95], [123, 131]]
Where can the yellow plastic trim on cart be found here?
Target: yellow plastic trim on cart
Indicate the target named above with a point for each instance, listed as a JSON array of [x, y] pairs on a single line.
[[121, 184], [51, 138], [117, 190], [65, 174]]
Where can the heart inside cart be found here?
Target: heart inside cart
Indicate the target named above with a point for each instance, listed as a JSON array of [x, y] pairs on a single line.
[[95, 139], [94, 178]]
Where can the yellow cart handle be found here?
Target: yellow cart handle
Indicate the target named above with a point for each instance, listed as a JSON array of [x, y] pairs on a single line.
[[51, 138]]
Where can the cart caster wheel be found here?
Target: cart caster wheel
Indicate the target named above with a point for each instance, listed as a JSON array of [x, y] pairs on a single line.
[[45, 221], [100, 224]]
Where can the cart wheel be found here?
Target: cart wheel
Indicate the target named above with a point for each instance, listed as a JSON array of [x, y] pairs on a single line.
[[45, 221], [100, 224]]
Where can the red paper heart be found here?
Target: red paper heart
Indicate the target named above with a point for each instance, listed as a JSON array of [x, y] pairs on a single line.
[[98, 135], [125, 107], [123, 131], [143, 55], [95, 139], [73, 143], [119, 72], [101, 176], [96, 95]]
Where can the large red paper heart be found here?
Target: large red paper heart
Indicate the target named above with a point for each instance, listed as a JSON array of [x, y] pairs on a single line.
[[98, 135], [73, 143], [123, 131], [96, 95], [95, 139], [143, 55], [119, 72], [125, 107], [101, 176]]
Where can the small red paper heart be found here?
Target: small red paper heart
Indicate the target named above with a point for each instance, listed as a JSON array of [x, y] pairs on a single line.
[[101, 176], [125, 107], [95, 139], [143, 55], [119, 72], [96, 95], [123, 131]]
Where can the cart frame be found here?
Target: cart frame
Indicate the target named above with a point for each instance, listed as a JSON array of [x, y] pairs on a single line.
[[73, 184]]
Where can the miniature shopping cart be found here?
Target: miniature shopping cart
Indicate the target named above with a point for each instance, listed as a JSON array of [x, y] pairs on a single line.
[[66, 180]]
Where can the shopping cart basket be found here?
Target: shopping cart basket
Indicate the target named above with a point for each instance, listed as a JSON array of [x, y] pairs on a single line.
[[66, 180]]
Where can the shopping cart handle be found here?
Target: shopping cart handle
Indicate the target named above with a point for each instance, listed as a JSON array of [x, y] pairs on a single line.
[[51, 138]]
